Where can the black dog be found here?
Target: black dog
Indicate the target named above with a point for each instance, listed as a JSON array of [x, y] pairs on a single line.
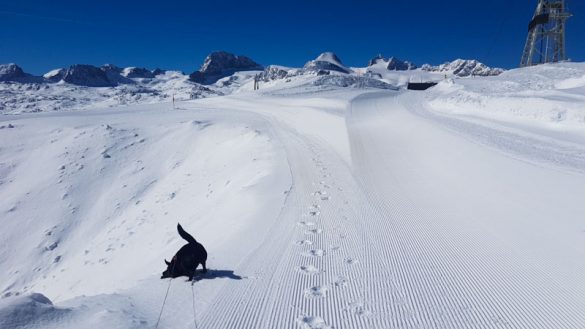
[[187, 259]]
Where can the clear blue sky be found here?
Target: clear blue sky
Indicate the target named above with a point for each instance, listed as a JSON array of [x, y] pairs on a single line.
[[41, 35]]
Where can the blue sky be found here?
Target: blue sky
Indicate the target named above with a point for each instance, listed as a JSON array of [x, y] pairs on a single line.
[[41, 35]]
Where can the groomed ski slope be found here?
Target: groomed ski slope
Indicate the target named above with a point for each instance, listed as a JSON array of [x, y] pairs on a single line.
[[369, 211], [426, 226]]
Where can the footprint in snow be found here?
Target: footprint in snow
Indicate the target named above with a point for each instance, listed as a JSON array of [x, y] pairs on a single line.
[[315, 253], [303, 223], [341, 282], [350, 261], [304, 243], [314, 213], [359, 309], [308, 269], [314, 231], [313, 322], [325, 198], [316, 292]]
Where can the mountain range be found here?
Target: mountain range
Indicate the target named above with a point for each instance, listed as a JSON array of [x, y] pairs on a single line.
[[221, 64]]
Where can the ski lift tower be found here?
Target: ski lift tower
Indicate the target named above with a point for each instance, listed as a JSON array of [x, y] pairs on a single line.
[[546, 34]]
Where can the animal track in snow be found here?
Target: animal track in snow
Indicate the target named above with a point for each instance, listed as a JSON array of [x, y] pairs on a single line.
[[303, 223], [314, 213], [309, 269], [316, 292], [359, 309], [313, 322], [315, 253], [314, 231], [304, 243], [350, 261], [341, 282]]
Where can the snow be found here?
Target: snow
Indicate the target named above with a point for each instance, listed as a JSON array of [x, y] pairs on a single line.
[[10, 72], [326, 61], [55, 75], [323, 201], [544, 95], [329, 57], [464, 68]]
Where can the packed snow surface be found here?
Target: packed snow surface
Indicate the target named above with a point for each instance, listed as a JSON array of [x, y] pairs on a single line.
[[333, 205]]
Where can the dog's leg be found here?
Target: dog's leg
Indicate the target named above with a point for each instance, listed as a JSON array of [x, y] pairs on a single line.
[[204, 268]]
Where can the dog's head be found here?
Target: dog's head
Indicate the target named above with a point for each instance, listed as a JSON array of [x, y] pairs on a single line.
[[169, 272]]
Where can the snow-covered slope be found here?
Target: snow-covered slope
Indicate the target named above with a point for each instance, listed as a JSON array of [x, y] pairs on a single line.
[[550, 94], [321, 206], [108, 182]]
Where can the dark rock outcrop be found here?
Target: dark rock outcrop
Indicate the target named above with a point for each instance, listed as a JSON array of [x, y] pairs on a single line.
[[137, 73], [158, 71], [392, 63], [379, 58], [274, 72], [114, 75], [11, 72], [395, 64], [221, 64], [87, 75]]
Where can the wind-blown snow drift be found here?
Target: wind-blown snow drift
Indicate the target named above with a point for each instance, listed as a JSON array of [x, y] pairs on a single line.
[[551, 94]]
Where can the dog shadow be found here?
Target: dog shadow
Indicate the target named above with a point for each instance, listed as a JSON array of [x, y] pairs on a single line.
[[217, 274]]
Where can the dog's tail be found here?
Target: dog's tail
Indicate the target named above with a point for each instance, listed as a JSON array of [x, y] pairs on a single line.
[[185, 235]]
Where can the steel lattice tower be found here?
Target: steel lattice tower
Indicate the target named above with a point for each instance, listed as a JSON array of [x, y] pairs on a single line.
[[546, 34]]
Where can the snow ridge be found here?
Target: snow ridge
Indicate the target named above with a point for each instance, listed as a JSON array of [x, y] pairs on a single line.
[[464, 68]]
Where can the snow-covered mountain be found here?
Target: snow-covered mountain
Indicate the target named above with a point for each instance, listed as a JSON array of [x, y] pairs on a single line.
[[84, 86], [221, 64], [138, 73], [464, 68], [89, 76], [326, 62], [11, 72], [392, 63]]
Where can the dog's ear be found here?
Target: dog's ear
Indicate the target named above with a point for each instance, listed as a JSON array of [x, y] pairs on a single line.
[[167, 262]]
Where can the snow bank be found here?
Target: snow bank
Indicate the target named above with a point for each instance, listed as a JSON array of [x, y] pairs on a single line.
[[551, 93], [90, 200], [105, 311]]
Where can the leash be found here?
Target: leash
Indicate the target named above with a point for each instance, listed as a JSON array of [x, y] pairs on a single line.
[[166, 295], [163, 305], [195, 325], [193, 295]]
